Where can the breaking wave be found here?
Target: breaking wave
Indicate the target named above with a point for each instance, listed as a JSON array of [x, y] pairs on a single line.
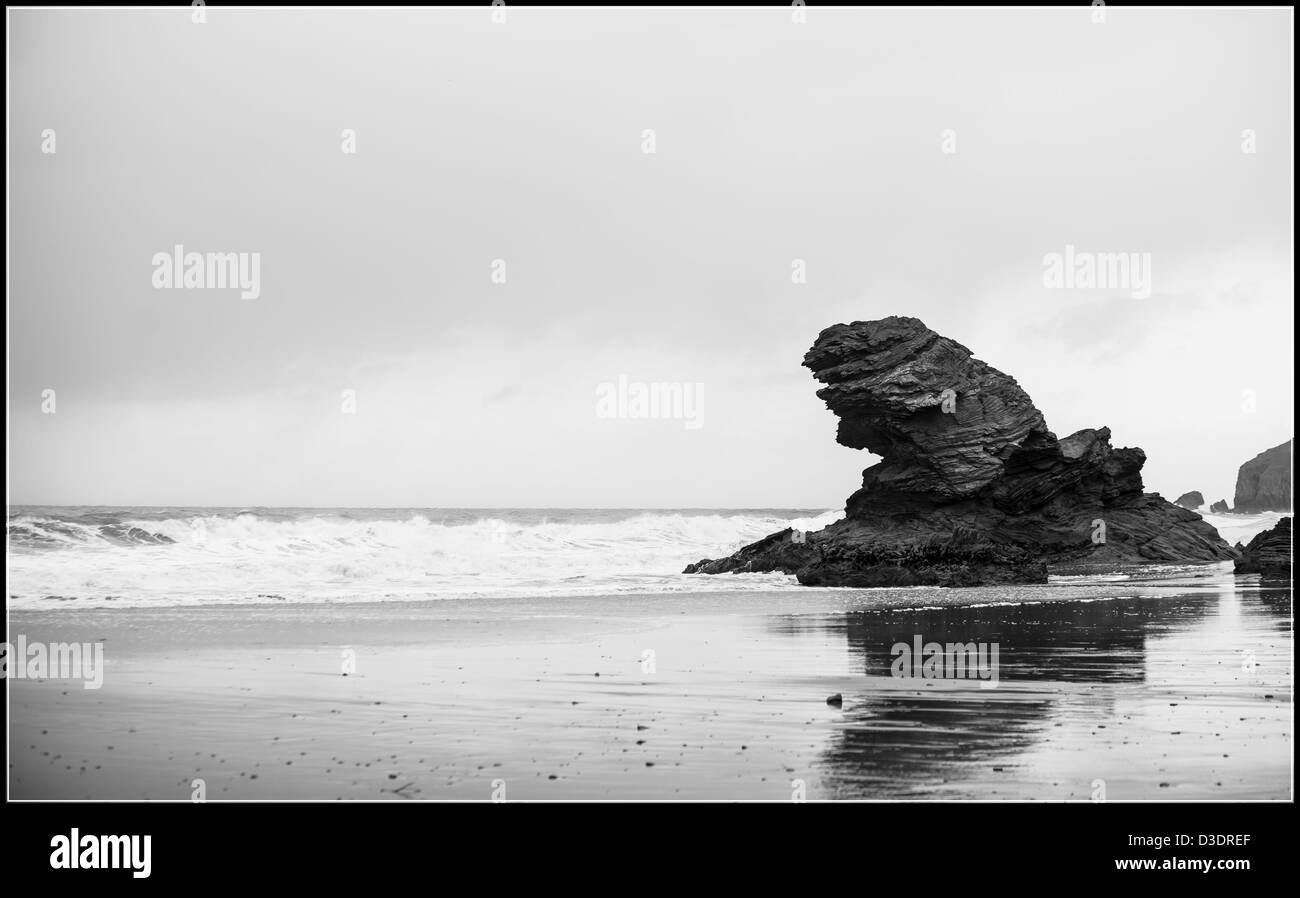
[[156, 557]]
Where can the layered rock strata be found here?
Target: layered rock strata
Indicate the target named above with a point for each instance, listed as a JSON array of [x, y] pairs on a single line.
[[973, 488]]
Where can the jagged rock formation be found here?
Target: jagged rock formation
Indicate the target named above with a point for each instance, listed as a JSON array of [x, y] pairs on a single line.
[[1264, 482], [1268, 554], [1220, 507], [973, 488], [1191, 501]]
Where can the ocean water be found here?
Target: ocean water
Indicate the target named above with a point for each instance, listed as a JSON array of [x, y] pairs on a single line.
[[112, 557], [77, 557]]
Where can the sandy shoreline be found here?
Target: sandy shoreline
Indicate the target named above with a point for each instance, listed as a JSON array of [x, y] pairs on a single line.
[[560, 699]]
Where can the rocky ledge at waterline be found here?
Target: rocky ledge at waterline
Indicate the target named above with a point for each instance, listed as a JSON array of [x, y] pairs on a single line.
[[1268, 554], [973, 488]]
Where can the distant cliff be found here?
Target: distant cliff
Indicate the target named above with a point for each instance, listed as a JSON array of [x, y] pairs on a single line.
[[1264, 482]]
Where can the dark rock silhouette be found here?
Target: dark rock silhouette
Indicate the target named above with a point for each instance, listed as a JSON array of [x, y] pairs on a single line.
[[1268, 554], [972, 487], [1191, 501], [1220, 507], [1264, 482]]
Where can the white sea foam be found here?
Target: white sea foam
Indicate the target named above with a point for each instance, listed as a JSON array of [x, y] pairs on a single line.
[[323, 557], [1241, 528]]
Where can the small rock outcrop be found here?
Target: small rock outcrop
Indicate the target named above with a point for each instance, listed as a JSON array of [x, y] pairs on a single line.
[[1264, 482], [1268, 554], [1191, 501], [1220, 507], [973, 488]]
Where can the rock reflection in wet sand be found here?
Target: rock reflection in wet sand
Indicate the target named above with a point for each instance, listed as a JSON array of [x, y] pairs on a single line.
[[1168, 697]]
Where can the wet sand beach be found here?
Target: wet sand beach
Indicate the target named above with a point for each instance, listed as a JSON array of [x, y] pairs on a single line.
[[1173, 688]]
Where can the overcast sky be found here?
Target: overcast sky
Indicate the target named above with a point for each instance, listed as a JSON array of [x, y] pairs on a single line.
[[523, 141]]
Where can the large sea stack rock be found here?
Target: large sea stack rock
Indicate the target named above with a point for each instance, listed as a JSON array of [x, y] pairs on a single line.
[[973, 488], [1268, 554], [1191, 501], [1264, 482]]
